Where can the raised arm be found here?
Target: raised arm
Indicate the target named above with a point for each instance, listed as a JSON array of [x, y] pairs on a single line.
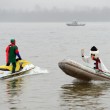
[[84, 58]]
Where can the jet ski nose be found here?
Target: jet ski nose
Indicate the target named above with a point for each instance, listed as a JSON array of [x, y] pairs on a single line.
[[61, 65]]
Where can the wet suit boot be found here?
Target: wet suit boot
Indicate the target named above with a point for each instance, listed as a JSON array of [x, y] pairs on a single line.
[[14, 67]]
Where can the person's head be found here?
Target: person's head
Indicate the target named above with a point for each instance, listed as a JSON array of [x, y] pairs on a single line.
[[94, 52], [13, 41]]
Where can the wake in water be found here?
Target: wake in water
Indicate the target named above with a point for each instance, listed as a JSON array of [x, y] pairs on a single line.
[[35, 71], [38, 70]]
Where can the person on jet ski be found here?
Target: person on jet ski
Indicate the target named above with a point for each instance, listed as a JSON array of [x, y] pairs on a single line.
[[93, 60], [11, 53]]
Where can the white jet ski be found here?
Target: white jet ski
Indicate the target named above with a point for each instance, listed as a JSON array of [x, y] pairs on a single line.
[[22, 67], [82, 72]]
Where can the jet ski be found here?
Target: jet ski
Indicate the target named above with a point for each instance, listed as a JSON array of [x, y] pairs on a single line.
[[82, 72], [22, 67]]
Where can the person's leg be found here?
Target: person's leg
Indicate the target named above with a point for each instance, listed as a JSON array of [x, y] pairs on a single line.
[[14, 67]]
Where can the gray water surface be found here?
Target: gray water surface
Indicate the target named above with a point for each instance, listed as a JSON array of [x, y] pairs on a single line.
[[45, 44]]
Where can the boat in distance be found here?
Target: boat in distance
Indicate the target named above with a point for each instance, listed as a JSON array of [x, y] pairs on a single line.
[[75, 23], [82, 72]]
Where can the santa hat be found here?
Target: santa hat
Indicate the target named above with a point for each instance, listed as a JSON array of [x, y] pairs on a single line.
[[94, 50]]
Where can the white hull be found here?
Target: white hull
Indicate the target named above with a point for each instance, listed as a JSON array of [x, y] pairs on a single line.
[[82, 72], [75, 24], [8, 74]]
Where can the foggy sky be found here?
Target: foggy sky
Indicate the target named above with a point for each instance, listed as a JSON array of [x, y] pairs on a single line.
[[54, 10], [49, 4]]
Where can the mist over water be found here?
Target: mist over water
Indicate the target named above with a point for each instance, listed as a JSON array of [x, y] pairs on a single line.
[[56, 15], [45, 44]]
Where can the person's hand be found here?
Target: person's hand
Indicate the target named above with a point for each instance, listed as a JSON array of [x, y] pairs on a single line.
[[17, 59], [82, 52], [20, 58]]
